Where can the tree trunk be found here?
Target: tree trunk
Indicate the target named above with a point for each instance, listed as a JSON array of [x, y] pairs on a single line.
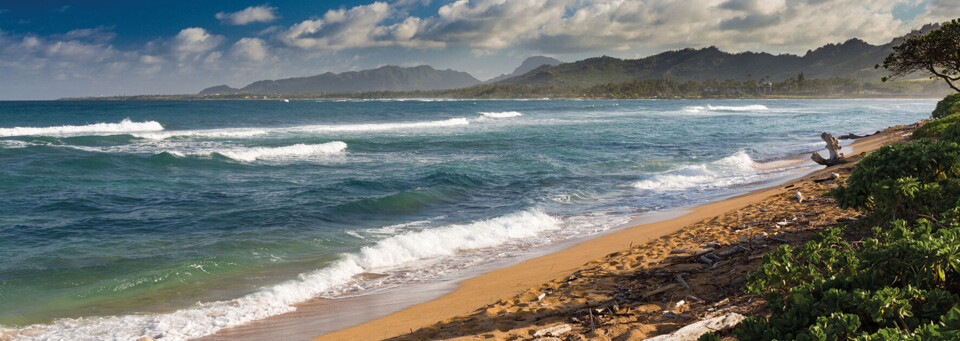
[[833, 146]]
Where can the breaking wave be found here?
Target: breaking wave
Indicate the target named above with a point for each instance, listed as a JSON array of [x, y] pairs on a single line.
[[503, 114], [735, 169], [715, 108], [125, 126], [207, 318], [305, 129]]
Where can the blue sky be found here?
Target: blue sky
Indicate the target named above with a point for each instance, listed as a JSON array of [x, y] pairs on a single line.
[[52, 49]]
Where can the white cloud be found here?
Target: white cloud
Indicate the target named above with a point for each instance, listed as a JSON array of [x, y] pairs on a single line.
[[100, 34], [494, 24], [563, 26], [938, 11], [253, 14], [358, 27], [195, 40], [251, 49]]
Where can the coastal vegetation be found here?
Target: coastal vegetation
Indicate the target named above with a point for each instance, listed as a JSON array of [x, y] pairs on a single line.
[[894, 275], [899, 282]]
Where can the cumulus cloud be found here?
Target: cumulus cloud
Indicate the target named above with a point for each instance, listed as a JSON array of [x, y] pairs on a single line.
[[357, 27], [252, 14], [494, 24], [939, 11], [560, 26], [251, 49], [195, 40]]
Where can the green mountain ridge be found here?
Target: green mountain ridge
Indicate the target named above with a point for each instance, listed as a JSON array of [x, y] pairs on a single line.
[[853, 59], [386, 78]]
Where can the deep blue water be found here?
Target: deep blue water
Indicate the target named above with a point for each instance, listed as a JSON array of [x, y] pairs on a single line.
[[138, 210]]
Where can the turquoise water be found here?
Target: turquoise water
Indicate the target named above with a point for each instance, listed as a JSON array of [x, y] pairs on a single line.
[[117, 218]]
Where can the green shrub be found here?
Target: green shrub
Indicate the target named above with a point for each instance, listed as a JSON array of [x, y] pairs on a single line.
[[946, 128], [825, 255], [904, 181], [947, 106], [899, 285]]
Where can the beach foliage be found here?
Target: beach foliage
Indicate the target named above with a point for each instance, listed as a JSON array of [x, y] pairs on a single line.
[[946, 128], [904, 181], [947, 106], [901, 284], [936, 52]]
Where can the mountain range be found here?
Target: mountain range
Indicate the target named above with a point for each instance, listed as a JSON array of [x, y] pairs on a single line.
[[853, 59], [529, 64], [389, 78]]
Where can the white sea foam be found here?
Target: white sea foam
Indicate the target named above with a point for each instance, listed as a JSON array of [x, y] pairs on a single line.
[[12, 144], [207, 318], [304, 129], [735, 169], [715, 108], [259, 153], [372, 127], [752, 107], [225, 133], [125, 126], [298, 151], [503, 114]]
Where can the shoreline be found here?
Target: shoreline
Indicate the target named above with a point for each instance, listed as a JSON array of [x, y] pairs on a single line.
[[500, 284], [400, 311]]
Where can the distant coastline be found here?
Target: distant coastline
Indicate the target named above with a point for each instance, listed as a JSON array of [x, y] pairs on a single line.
[[792, 88]]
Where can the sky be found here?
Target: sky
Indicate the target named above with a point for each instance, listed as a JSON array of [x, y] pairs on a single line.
[[54, 49]]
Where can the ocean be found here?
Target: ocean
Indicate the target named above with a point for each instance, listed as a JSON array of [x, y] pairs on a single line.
[[174, 219]]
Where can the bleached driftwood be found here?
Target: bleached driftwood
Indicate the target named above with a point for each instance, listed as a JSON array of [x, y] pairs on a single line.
[[553, 331], [693, 331], [833, 146]]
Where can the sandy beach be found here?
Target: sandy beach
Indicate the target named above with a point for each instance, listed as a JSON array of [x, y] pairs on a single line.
[[628, 278]]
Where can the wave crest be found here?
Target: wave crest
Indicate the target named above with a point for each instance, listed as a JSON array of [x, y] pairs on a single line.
[[503, 114], [741, 108], [734, 169], [123, 127], [300, 149], [305, 129], [207, 318]]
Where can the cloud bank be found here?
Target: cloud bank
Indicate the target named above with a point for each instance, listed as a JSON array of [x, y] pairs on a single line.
[[477, 36]]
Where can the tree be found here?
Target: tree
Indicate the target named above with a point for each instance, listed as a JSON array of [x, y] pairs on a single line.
[[937, 52]]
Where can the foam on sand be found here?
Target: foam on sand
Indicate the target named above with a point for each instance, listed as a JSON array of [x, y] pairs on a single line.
[[125, 126], [207, 318], [503, 114]]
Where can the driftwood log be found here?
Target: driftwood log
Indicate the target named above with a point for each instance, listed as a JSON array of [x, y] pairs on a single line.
[[833, 146]]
